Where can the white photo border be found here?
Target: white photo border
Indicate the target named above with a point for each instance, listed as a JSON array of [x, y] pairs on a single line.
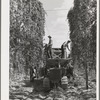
[[5, 22]]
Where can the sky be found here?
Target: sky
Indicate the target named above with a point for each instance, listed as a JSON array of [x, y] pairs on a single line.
[[56, 24]]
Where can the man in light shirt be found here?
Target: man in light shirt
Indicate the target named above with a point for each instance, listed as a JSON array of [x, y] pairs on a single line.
[[64, 49]]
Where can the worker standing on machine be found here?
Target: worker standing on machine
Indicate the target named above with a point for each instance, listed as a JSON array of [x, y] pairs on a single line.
[[64, 50], [50, 47]]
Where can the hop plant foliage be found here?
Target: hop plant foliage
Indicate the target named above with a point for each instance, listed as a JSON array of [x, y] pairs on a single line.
[[27, 19], [82, 22]]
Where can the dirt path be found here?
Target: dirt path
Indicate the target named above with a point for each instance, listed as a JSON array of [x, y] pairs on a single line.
[[23, 90]]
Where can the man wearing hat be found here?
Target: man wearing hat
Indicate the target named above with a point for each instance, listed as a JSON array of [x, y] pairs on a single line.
[[50, 47]]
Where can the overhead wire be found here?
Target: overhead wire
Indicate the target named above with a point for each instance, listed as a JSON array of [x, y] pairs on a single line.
[[56, 9]]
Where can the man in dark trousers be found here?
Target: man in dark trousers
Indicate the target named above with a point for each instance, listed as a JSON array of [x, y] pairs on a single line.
[[50, 47], [62, 49]]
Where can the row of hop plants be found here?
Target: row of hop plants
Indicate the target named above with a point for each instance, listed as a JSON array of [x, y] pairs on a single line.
[[82, 21], [27, 19]]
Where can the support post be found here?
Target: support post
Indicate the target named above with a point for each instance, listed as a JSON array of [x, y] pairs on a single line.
[[86, 72]]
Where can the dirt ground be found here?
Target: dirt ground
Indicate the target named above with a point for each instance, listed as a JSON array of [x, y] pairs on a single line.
[[24, 90]]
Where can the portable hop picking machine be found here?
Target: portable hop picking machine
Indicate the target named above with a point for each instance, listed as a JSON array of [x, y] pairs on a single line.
[[54, 74]]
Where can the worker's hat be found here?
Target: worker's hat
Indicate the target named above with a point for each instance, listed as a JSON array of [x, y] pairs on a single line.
[[49, 36], [68, 41]]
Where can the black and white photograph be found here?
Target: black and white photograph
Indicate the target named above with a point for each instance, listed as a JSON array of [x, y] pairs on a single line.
[[52, 50]]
